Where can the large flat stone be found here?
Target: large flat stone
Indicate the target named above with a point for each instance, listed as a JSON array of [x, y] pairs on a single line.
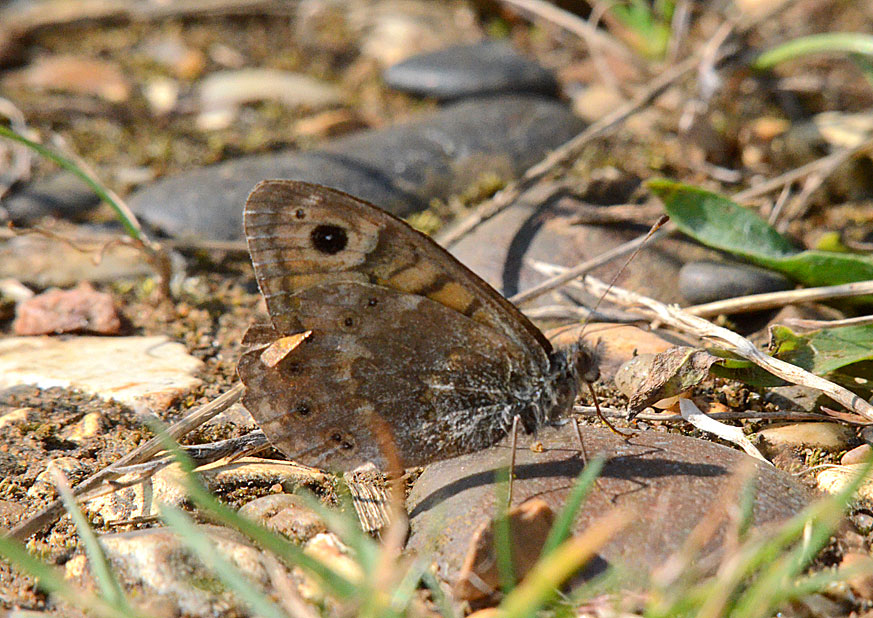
[[668, 481], [138, 371], [399, 168]]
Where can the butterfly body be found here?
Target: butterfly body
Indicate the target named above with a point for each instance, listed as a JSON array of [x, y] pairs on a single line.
[[396, 331]]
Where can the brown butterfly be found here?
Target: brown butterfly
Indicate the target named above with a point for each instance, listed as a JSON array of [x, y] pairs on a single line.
[[372, 319]]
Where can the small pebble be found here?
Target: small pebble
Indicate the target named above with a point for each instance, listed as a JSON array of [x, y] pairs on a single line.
[[82, 309], [861, 583], [826, 436], [286, 514], [704, 282], [90, 426], [487, 67], [857, 455]]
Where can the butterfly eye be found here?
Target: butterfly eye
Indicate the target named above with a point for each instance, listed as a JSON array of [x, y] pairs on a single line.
[[330, 239], [300, 213]]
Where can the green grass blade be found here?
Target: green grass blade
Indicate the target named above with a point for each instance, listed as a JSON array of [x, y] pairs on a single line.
[[52, 581], [109, 585], [440, 599], [542, 581], [828, 42], [335, 583], [564, 522], [193, 538], [130, 226]]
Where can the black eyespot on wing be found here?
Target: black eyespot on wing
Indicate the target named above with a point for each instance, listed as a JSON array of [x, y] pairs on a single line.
[[372, 302], [347, 445], [330, 239], [336, 436], [300, 213], [302, 409]]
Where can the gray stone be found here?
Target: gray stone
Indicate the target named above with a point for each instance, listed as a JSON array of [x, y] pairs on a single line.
[[486, 67], [503, 249], [705, 282], [399, 168], [668, 481], [63, 194]]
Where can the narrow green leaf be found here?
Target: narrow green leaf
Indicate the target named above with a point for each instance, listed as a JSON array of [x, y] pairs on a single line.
[[564, 522], [717, 222], [827, 42], [109, 585], [131, 227], [193, 538]]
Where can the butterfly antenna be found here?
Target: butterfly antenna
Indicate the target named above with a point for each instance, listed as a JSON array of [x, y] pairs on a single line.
[[658, 224]]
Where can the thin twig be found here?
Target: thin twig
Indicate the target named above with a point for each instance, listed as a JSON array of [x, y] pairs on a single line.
[[722, 416], [685, 322], [595, 38], [589, 265], [566, 153], [861, 320], [770, 300], [189, 422], [831, 162]]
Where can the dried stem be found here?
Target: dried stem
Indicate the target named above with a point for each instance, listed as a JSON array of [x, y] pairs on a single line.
[[189, 422], [685, 322]]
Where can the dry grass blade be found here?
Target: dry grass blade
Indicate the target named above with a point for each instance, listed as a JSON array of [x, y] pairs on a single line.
[[566, 153], [191, 421], [594, 37], [861, 320], [685, 322]]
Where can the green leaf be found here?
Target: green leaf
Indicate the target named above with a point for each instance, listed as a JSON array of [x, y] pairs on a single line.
[[717, 222], [826, 351], [720, 223]]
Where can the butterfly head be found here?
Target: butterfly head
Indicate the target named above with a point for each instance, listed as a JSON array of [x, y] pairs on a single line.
[[583, 363]]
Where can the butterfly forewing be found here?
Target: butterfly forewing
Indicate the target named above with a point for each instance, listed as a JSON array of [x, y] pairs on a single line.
[[300, 234]]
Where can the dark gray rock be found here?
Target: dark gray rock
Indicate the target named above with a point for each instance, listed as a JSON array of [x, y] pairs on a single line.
[[705, 282], [62, 194], [670, 482], [487, 67], [400, 168], [503, 249]]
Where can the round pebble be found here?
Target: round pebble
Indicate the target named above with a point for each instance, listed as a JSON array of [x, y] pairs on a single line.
[[487, 67], [705, 282]]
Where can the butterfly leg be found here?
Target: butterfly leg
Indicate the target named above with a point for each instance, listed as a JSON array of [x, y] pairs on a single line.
[[514, 443], [601, 416]]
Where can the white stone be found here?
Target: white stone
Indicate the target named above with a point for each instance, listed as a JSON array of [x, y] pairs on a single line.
[[138, 371]]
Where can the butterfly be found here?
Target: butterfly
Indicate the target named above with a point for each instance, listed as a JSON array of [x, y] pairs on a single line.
[[373, 324]]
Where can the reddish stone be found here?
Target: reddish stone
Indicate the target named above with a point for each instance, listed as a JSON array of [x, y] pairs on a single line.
[[82, 309]]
